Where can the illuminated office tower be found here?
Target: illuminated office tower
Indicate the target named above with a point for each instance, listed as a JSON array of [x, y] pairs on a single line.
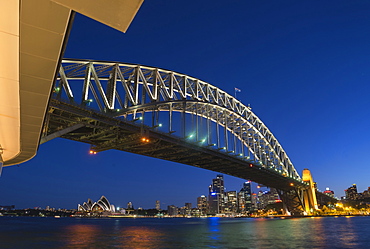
[[231, 206], [202, 204], [188, 205], [129, 205], [172, 210], [246, 191], [241, 202], [157, 205], [216, 197], [351, 193]]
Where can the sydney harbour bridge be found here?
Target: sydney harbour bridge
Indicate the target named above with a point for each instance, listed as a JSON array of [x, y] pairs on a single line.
[[139, 109], [171, 116]]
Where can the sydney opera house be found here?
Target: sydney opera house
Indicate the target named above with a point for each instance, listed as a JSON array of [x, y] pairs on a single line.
[[102, 205]]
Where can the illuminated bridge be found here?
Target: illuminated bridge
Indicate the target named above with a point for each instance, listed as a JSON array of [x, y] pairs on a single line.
[[171, 116], [139, 109]]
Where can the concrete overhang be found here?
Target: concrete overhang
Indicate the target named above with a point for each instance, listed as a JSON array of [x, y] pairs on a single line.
[[33, 35]]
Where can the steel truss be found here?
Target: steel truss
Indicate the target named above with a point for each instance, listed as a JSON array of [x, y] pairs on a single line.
[[127, 89], [170, 108]]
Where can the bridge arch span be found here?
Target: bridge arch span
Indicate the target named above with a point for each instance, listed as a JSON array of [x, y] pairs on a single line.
[[171, 116], [132, 91]]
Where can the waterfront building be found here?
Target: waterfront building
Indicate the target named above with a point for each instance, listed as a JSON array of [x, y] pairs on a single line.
[[254, 201], [245, 198], [351, 193], [241, 202], [172, 210], [102, 205], [329, 192], [213, 202], [187, 209], [231, 206], [188, 205], [157, 205], [366, 193], [202, 204], [216, 196], [129, 205]]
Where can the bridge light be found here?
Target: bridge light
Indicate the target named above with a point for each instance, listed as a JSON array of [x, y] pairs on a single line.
[[57, 89], [291, 184], [160, 125], [145, 140], [250, 165], [136, 119], [92, 152]]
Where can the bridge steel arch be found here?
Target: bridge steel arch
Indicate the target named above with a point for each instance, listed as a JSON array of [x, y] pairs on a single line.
[[168, 115]]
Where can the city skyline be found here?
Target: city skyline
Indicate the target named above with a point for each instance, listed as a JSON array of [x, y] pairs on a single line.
[[303, 68]]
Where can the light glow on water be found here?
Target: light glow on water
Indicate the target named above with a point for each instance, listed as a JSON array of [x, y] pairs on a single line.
[[325, 232]]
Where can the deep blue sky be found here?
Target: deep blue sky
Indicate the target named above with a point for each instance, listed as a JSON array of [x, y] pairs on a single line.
[[302, 65]]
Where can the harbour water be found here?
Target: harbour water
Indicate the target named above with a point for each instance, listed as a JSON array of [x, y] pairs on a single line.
[[323, 232]]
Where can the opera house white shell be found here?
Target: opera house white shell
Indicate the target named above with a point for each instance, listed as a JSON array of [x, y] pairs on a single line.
[[102, 205]]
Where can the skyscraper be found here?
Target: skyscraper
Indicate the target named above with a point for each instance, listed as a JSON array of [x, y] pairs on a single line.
[[188, 205], [232, 202], [246, 191], [216, 195], [157, 205], [129, 205], [241, 202], [351, 193], [172, 210], [202, 204]]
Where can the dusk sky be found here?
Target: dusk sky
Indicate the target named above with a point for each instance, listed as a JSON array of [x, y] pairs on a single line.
[[303, 66]]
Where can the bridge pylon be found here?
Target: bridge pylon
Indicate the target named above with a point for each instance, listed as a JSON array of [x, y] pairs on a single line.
[[300, 201], [309, 195]]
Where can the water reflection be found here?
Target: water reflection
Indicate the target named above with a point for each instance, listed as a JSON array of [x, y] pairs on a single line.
[[141, 237], [316, 232], [81, 235], [214, 228], [347, 235], [339, 232]]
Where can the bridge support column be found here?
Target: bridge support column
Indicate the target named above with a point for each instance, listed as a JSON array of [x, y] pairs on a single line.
[[309, 196]]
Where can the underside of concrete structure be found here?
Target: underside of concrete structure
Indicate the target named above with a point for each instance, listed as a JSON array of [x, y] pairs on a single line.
[[33, 35]]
